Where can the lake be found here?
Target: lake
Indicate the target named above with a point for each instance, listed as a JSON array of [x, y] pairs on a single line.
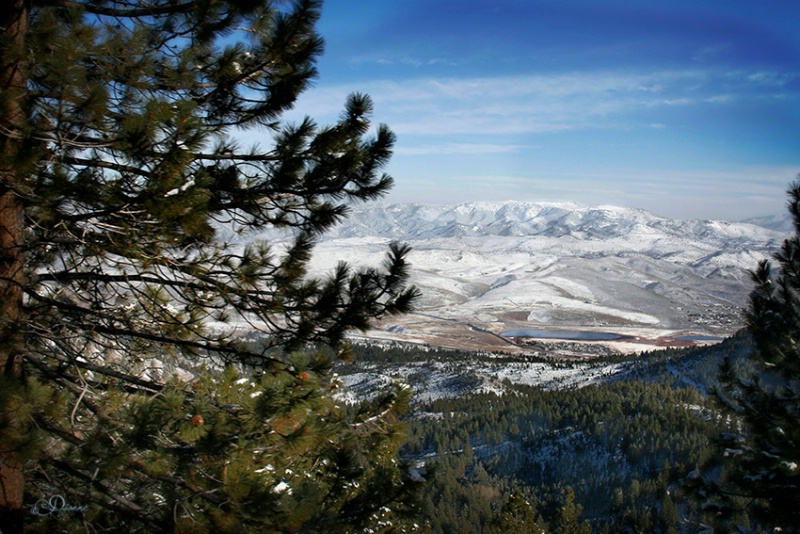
[[565, 335], [698, 338]]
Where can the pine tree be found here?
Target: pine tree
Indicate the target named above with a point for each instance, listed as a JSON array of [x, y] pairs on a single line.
[[518, 515], [759, 480], [568, 516], [668, 516], [126, 388]]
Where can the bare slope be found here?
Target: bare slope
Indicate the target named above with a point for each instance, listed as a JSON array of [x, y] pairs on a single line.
[[485, 268]]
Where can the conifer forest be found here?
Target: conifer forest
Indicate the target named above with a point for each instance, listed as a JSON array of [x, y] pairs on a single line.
[[614, 456]]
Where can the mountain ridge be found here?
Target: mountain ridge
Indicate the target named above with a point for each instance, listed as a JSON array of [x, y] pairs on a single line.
[[516, 218], [489, 267]]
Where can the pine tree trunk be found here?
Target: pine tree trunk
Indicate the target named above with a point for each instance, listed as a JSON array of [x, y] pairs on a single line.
[[13, 24]]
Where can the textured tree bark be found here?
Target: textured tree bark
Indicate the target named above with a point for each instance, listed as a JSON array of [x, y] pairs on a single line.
[[13, 25]]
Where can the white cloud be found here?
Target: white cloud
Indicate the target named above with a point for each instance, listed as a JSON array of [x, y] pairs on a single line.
[[651, 113], [720, 99], [674, 102], [704, 193], [770, 79], [709, 53], [460, 148], [537, 103]]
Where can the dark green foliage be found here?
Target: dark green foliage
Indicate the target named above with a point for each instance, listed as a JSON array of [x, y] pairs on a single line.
[[620, 447], [755, 478], [595, 439], [518, 515], [567, 518], [119, 151], [235, 454]]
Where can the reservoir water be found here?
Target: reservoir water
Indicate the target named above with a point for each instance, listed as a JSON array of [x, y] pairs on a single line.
[[573, 335], [699, 338], [565, 335]]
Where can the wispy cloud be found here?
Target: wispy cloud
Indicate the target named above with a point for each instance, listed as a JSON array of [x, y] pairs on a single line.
[[412, 61], [461, 148], [670, 109], [540, 103], [660, 139], [668, 193]]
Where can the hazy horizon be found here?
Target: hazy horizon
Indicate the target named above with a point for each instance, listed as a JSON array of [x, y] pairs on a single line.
[[780, 221]]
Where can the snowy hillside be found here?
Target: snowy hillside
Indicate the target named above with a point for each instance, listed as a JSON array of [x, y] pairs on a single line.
[[781, 223], [485, 268], [480, 219]]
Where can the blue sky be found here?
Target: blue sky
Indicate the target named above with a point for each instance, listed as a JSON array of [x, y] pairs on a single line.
[[687, 108]]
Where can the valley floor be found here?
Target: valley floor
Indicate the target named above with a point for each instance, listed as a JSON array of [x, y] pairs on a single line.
[[460, 334]]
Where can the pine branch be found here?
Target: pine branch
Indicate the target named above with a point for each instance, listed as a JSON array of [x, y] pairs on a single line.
[[97, 9], [119, 332], [62, 380], [106, 164], [123, 505], [121, 264]]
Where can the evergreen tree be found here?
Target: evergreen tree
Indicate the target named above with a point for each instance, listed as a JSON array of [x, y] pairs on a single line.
[[668, 515], [518, 515], [760, 456], [125, 294], [568, 516]]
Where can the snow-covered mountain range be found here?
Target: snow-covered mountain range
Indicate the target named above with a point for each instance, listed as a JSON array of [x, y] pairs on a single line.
[[486, 268], [480, 219]]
